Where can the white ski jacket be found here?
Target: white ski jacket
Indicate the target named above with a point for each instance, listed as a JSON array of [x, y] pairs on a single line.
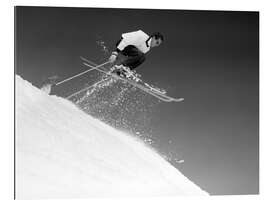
[[137, 38]]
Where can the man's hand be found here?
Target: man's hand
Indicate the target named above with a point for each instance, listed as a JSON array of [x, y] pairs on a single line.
[[113, 57]]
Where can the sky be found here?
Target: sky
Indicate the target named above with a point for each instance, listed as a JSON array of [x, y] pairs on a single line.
[[211, 58]]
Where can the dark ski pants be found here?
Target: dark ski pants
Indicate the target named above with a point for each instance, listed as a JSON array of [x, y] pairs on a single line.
[[133, 57]]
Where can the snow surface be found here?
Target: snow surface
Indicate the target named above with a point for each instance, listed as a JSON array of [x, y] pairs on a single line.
[[61, 152]]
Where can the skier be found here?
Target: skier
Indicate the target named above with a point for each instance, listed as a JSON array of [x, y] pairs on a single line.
[[131, 49]]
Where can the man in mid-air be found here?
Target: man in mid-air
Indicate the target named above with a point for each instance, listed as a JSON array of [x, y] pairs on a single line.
[[131, 49]]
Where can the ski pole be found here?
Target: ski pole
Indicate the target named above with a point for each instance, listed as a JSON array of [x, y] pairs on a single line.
[[82, 90], [61, 82]]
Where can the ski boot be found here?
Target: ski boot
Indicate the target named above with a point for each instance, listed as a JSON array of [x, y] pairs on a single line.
[[125, 72], [119, 70]]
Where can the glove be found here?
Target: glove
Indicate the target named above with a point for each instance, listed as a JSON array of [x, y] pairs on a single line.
[[113, 57]]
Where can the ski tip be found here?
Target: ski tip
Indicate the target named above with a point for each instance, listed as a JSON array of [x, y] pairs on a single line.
[[81, 57], [179, 100]]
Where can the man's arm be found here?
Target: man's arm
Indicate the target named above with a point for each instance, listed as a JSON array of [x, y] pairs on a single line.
[[131, 38], [115, 52]]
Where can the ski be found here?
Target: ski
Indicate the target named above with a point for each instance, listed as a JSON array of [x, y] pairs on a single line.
[[146, 88]]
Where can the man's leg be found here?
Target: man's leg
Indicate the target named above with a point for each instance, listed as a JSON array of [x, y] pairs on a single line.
[[134, 57]]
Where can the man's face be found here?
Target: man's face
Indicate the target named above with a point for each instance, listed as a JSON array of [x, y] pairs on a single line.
[[155, 42]]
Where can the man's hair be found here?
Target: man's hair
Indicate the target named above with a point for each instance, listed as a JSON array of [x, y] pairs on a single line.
[[157, 35]]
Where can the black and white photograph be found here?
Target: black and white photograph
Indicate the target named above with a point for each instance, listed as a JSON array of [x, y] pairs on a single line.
[[133, 102]]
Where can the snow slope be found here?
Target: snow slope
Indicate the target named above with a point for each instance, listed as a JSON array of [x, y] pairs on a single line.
[[61, 152]]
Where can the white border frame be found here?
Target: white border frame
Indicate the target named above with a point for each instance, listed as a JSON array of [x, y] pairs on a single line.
[[7, 86]]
